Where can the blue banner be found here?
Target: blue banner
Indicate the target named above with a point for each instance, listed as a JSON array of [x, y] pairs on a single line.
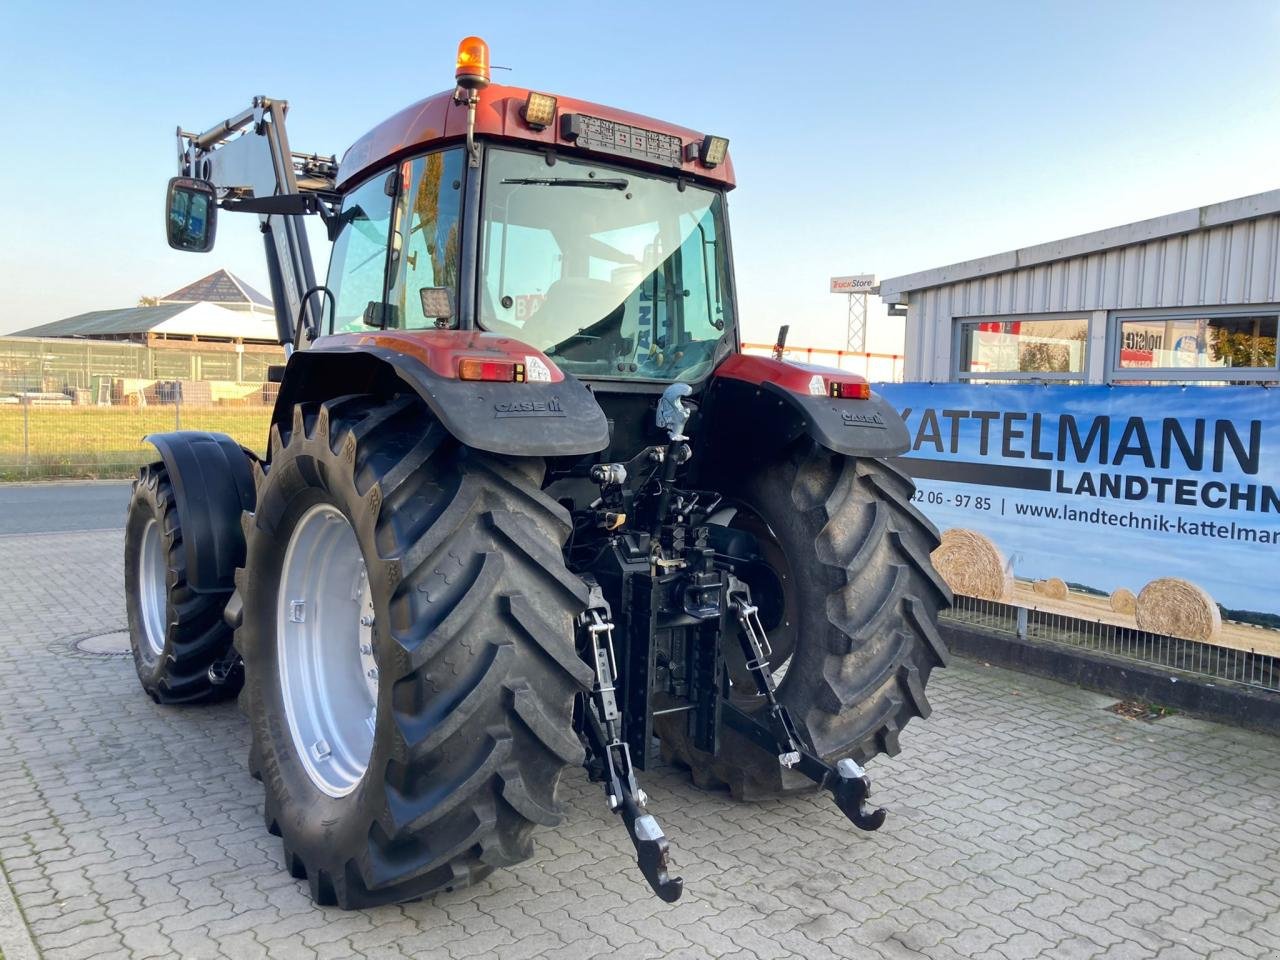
[[1108, 487]]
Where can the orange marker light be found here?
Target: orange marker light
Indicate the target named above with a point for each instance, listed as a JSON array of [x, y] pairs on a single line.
[[473, 64], [501, 371]]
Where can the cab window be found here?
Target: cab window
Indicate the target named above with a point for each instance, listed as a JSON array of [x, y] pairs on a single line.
[[612, 272], [424, 242], [396, 257], [358, 264]]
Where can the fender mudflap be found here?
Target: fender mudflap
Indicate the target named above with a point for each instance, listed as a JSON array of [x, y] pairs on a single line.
[[212, 484], [512, 419]]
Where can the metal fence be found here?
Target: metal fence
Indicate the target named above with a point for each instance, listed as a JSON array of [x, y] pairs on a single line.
[[1247, 667], [80, 408], [876, 367], [44, 365]]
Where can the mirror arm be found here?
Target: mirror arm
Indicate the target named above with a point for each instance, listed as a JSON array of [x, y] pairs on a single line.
[[285, 205]]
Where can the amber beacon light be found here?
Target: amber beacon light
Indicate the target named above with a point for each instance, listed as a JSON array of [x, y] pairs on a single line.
[[473, 64]]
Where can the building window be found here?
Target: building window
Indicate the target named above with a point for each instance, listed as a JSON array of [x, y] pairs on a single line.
[[1191, 345], [1023, 349]]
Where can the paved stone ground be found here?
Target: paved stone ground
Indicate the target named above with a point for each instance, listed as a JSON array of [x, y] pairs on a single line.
[[1027, 822]]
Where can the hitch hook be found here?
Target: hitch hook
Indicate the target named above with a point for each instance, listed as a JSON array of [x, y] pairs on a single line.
[[851, 787], [652, 850]]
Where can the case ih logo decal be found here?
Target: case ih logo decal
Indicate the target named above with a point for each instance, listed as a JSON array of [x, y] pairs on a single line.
[[852, 419], [529, 408]]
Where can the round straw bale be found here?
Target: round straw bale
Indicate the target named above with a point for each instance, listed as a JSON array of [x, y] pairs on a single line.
[[1123, 601], [1052, 589], [972, 565], [1178, 608]]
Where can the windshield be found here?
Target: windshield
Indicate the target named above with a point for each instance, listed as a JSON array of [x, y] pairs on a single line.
[[610, 272]]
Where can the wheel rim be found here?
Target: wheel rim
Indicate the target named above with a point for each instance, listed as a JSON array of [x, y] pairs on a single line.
[[152, 589], [324, 638]]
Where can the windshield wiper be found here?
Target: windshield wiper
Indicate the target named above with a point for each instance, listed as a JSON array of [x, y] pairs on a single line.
[[616, 183]]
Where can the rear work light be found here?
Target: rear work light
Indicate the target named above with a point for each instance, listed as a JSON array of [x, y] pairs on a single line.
[[849, 391], [539, 110], [711, 151], [501, 371]]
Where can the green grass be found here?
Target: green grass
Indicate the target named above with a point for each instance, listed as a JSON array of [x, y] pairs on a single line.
[[107, 441]]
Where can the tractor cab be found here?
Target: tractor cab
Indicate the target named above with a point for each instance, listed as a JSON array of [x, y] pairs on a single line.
[[596, 237]]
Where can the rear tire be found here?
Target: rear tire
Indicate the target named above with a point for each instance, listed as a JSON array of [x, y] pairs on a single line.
[[472, 635], [175, 633], [864, 599]]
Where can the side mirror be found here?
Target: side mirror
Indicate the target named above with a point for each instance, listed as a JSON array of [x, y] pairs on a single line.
[[381, 314], [191, 214]]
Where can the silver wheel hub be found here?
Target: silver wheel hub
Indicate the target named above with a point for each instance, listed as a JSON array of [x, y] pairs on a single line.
[[153, 568], [324, 638]]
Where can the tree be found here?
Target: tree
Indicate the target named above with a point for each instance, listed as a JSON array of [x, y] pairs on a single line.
[[1235, 347], [145, 301]]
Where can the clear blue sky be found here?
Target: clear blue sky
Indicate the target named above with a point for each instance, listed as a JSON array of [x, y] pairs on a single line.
[[880, 138]]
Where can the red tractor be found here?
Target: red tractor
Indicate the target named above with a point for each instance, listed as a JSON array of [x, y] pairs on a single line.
[[526, 506]]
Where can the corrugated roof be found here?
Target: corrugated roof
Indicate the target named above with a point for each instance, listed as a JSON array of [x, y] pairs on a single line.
[[894, 289], [221, 286], [100, 323]]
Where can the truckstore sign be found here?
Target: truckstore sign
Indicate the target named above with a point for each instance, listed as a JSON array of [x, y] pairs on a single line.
[[1108, 488], [861, 283]]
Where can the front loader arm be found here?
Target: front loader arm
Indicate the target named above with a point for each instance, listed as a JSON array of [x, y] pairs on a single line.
[[248, 156]]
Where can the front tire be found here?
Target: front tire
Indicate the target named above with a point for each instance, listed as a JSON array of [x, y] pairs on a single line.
[[175, 633], [471, 635]]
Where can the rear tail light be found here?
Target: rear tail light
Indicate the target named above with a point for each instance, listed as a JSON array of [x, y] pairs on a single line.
[[502, 371], [849, 391]]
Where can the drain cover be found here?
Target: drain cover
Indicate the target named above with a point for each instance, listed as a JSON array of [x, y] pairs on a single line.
[[115, 643], [1137, 710]]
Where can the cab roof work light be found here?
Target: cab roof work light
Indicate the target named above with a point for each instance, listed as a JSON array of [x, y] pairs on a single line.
[[711, 151], [539, 110], [473, 64]]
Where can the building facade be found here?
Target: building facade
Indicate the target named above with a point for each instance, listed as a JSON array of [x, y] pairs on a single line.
[[1189, 297]]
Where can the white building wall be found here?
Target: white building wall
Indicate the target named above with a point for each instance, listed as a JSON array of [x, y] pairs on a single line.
[[1229, 264]]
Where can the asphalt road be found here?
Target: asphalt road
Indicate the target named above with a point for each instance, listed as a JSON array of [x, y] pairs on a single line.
[[63, 507]]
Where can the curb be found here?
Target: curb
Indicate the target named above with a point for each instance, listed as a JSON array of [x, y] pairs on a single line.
[[16, 942], [1223, 702]]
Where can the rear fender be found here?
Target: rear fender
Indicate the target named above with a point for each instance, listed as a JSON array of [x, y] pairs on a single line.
[[212, 478], [755, 406], [551, 418]]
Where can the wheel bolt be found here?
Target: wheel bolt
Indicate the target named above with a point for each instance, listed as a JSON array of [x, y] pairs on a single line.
[[366, 649], [366, 621]]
